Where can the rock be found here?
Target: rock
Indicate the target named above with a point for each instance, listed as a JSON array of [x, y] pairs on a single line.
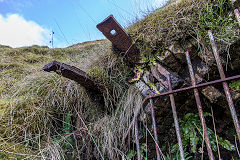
[[175, 54], [160, 73], [214, 95], [236, 3], [143, 88]]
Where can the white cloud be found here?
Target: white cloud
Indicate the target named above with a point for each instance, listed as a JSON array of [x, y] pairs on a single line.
[[15, 31]]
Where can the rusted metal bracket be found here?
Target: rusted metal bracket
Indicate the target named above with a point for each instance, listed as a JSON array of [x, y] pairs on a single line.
[[75, 74], [114, 32]]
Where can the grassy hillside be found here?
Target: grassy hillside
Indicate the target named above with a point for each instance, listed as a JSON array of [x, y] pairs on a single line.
[[182, 22], [34, 104], [46, 116]]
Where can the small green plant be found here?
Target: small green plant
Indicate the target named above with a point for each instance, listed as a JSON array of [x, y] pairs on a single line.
[[191, 130], [65, 140], [176, 155], [235, 85], [191, 134], [132, 153], [215, 16]]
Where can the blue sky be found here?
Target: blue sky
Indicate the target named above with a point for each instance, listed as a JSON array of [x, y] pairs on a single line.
[[28, 22]]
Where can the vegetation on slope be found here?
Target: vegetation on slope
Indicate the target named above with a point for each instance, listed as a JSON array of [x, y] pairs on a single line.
[[181, 21], [34, 105], [45, 116]]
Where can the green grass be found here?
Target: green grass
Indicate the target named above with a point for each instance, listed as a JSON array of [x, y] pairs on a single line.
[[35, 105], [181, 21]]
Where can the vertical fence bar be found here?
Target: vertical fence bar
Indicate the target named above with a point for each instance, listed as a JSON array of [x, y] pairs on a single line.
[[199, 105], [225, 85], [175, 118], [137, 141], [237, 14], [155, 129]]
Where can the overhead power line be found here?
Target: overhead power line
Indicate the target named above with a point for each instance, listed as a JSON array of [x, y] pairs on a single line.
[[62, 32], [86, 12]]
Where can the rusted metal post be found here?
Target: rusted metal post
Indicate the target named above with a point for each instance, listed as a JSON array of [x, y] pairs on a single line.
[[119, 38], [237, 14], [137, 141], [155, 129], [175, 118], [225, 85], [199, 105]]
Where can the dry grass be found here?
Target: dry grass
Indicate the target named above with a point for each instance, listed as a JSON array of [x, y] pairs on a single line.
[[34, 104], [111, 129], [39, 111]]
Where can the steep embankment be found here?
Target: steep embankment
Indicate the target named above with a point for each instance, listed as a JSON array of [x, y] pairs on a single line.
[[46, 116], [34, 104]]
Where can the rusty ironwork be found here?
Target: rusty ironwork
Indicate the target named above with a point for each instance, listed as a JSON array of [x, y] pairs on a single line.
[[155, 130], [225, 85], [195, 87], [75, 74], [137, 141], [114, 32], [237, 14], [191, 87], [199, 106], [175, 118], [94, 88]]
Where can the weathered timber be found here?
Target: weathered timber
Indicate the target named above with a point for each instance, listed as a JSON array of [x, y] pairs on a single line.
[[121, 41], [75, 74]]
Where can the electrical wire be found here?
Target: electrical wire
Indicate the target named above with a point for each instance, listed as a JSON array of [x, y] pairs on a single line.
[[110, 1], [78, 19], [61, 32], [86, 12]]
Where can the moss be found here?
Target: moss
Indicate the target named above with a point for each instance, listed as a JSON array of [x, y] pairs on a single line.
[[14, 151], [182, 20], [34, 103]]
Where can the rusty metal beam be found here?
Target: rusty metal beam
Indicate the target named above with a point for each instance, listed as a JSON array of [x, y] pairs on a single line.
[[225, 85], [191, 87], [75, 74], [199, 106], [177, 128], [114, 32]]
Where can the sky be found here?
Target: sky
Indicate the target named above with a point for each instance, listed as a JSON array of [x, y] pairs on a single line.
[[31, 22]]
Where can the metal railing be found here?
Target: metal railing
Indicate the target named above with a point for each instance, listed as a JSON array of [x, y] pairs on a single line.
[[121, 36], [195, 87]]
